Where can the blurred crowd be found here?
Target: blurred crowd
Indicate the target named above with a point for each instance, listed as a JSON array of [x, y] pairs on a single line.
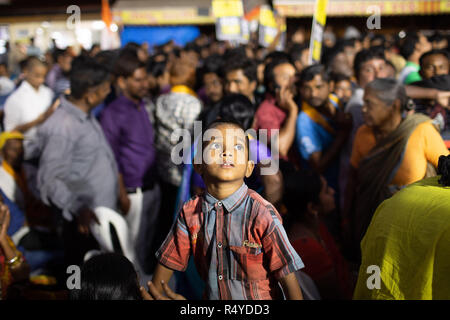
[[87, 140]]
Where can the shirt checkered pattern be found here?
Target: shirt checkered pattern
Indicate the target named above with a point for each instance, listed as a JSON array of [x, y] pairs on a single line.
[[239, 246]]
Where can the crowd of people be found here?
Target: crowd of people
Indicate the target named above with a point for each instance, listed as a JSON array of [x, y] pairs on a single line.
[[88, 176]]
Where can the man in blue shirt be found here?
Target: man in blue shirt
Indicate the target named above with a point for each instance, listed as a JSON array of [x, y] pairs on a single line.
[[322, 127]]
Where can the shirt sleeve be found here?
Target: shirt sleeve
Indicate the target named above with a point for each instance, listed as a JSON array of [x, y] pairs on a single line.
[[282, 257], [53, 174], [434, 144], [307, 137], [175, 251]]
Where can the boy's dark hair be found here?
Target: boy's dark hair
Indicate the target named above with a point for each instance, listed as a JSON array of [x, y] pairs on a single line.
[[408, 45], [269, 76], [108, 276], [310, 72], [366, 55], [127, 63], [86, 73], [300, 188], [238, 108], [247, 66], [433, 52]]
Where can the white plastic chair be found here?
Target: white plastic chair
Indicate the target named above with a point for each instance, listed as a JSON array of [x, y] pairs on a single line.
[[102, 232]]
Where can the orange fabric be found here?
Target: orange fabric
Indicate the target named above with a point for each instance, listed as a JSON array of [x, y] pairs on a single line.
[[424, 145]]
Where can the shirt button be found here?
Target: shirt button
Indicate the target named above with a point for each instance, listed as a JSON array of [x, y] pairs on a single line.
[[219, 203], [220, 277], [219, 245]]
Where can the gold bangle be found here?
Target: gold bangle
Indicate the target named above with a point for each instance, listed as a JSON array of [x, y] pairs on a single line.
[[15, 262]]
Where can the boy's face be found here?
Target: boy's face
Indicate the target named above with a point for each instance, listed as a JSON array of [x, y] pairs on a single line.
[[225, 157], [434, 65]]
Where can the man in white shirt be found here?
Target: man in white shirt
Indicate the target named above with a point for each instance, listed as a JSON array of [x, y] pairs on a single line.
[[30, 105]]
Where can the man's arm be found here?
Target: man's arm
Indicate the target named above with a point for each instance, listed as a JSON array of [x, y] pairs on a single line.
[[320, 161], [39, 120], [287, 131], [442, 97], [291, 288]]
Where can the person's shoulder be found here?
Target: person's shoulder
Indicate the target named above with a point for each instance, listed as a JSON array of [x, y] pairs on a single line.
[[193, 205], [264, 207]]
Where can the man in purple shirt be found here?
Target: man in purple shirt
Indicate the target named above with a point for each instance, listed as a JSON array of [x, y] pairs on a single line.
[[129, 131]]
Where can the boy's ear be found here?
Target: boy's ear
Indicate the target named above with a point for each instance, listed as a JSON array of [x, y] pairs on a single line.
[[250, 167]]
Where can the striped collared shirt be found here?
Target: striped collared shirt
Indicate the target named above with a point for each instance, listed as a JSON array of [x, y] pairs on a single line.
[[239, 245]]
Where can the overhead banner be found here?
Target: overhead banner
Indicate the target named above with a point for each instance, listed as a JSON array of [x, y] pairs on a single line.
[[318, 26], [268, 29], [305, 8], [228, 15]]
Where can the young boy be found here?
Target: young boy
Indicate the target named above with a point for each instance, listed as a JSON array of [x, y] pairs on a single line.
[[239, 245]]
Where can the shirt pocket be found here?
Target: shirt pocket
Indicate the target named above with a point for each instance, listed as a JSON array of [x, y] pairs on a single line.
[[247, 264]]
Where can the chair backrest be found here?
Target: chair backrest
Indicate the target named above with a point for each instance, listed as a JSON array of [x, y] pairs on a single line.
[[112, 234]]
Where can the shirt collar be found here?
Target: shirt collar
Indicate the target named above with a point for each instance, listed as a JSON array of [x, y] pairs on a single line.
[[230, 203], [73, 109]]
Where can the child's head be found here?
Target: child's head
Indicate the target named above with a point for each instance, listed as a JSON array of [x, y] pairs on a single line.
[[306, 194], [35, 71], [108, 276], [342, 87], [225, 153]]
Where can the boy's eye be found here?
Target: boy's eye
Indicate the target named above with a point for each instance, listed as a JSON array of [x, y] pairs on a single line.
[[216, 146], [239, 147]]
